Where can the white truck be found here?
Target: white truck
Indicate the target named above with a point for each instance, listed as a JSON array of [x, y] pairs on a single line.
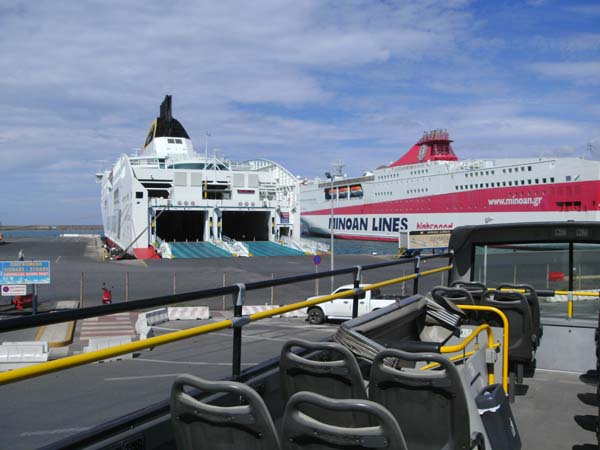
[[341, 308]]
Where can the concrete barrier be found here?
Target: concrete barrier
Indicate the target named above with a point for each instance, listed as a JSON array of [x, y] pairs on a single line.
[[297, 313], [565, 298], [20, 354], [157, 316], [142, 328], [188, 313], [106, 342], [253, 309]]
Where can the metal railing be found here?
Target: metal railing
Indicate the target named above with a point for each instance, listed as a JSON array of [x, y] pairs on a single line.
[[238, 293]]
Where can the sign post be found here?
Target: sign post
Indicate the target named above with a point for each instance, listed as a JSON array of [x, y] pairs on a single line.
[[25, 272], [316, 262]]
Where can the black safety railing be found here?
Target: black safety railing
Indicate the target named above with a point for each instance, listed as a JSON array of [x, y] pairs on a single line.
[[238, 293]]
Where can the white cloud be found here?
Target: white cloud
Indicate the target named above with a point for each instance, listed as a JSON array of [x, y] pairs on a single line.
[[299, 82], [584, 73]]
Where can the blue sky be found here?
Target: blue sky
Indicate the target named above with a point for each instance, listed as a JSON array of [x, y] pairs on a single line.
[[300, 82]]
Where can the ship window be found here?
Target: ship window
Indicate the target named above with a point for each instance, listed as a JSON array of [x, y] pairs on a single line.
[[510, 183], [529, 168], [551, 179], [504, 183], [471, 186], [537, 181], [522, 182], [492, 172], [139, 194], [523, 169], [171, 141], [487, 185], [543, 180], [528, 181], [503, 170]]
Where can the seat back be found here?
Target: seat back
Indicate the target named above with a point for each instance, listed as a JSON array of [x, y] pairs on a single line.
[[456, 295], [242, 423], [303, 431], [474, 287], [328, 368], [430, 406], [516, 308], [534, 307]]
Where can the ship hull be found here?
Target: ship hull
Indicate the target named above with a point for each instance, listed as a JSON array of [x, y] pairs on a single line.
[[445, 195]]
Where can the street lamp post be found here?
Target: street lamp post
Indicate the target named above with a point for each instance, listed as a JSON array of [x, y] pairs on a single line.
[[330, 177]]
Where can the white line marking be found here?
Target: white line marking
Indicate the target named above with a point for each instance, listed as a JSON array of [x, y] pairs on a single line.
[[193, 363], [57, 259], [141, 377], [557, 371], [58, 431]]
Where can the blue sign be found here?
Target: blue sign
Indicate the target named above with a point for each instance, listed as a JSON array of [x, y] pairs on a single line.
[[317, 259], [24, 272]]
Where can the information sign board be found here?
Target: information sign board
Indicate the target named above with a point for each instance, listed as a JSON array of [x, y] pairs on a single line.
[[14, 289], [24, 272], [317, 260]]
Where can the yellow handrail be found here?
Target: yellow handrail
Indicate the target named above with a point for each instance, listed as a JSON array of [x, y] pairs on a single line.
[[504, 337], [475, 333], [456, 358], [68, 362]]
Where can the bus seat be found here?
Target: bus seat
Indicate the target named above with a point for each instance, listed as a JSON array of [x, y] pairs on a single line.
[[474, 287], [521, 336], [534, 306], [243, 423], [328, 368], [430, 406], [303, 431]]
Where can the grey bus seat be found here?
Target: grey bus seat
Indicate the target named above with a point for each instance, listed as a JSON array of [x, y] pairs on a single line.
[[534, 306], [430, 406], [303, 431], [242, 423], [521, 336], [457, 296], [474, 287], [328, 368]]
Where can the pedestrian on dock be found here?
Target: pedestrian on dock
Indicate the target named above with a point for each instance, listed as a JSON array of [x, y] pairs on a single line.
[[21, 255]]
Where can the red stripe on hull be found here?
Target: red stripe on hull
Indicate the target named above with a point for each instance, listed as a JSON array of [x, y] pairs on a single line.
[[561, 197]]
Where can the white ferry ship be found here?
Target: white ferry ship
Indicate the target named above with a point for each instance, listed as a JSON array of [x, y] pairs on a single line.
[[428, 190], [171, 201]]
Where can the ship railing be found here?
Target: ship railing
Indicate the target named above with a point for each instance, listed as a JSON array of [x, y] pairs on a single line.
[[235, 247], [305, 245]]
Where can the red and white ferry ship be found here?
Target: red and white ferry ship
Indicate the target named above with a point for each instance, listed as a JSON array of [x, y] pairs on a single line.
[[429, 189]]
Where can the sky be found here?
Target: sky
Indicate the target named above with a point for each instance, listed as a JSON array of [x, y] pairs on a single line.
[[300, 82]]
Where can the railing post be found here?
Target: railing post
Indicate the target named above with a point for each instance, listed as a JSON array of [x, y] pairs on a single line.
[[239, 300], [416, 280], [357, 279]]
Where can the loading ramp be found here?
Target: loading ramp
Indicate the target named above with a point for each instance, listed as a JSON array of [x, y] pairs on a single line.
[[191, 250], [268, 248]]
